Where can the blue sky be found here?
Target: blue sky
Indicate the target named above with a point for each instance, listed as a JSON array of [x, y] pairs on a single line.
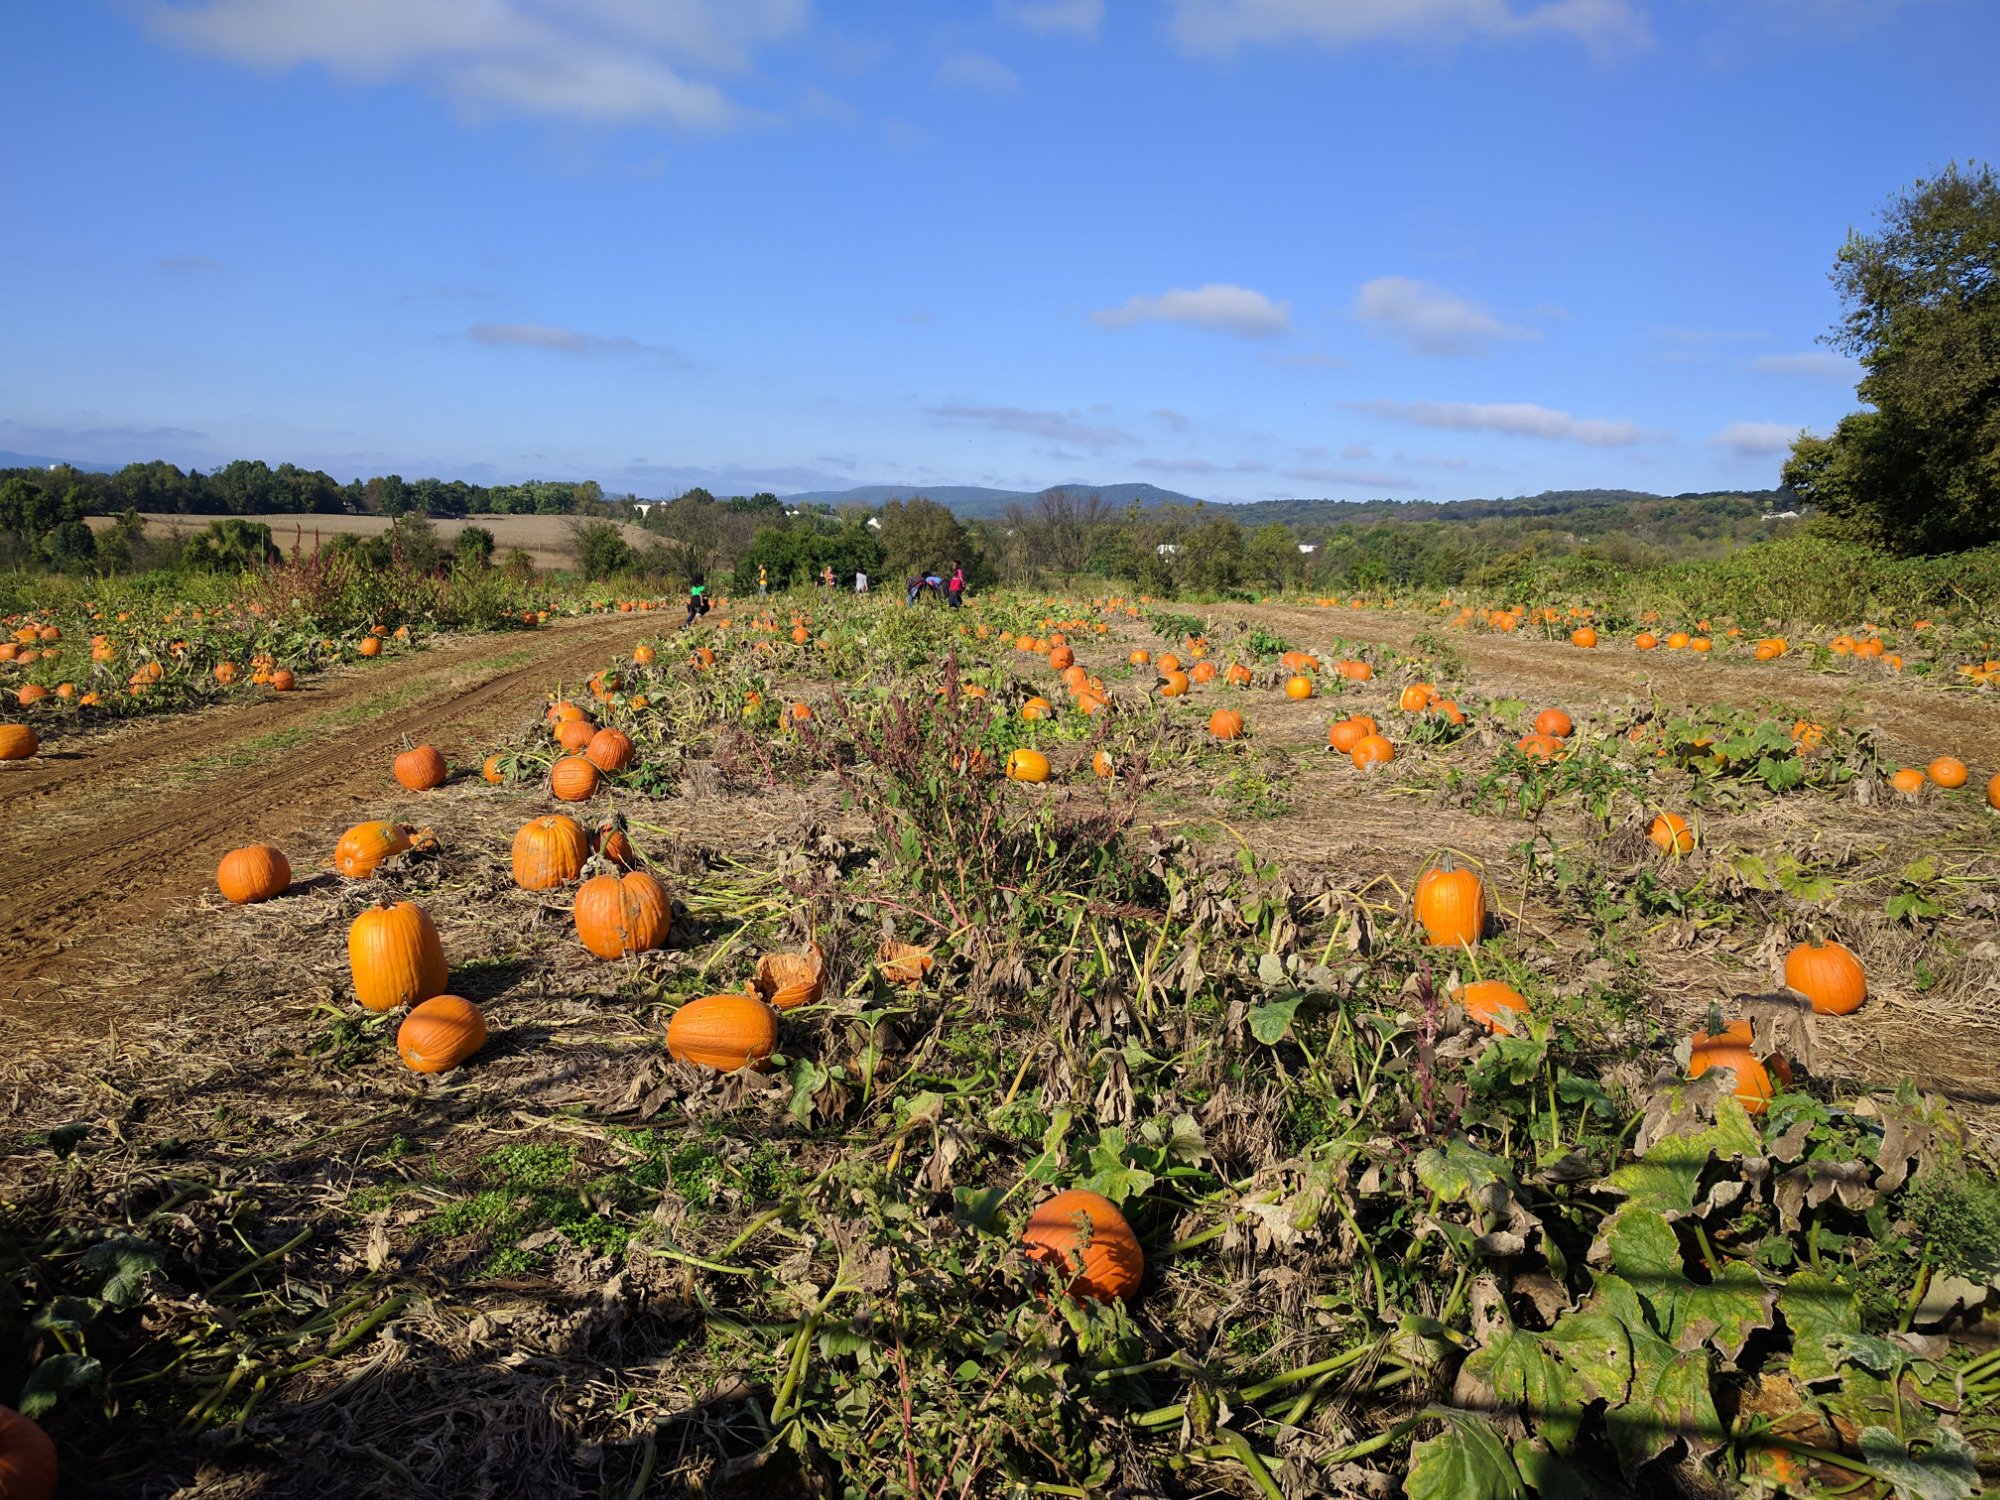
[[1239, 248]]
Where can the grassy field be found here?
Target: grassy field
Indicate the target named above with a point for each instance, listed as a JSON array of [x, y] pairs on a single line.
[[546, 539]]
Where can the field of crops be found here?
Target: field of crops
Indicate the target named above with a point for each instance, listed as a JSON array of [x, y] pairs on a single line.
[[1063, 1047]]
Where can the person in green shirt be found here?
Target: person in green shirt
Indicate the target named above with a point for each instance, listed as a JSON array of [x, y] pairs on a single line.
[[697, 602]]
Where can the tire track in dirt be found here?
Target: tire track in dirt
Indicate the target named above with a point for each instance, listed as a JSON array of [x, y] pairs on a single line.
[[135, 823], [1921, 721]]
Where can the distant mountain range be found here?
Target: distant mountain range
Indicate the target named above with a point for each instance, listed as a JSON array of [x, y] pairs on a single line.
[[974, 503], [35, 461]]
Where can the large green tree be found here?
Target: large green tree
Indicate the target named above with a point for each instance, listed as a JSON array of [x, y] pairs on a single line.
[[1921, 472]]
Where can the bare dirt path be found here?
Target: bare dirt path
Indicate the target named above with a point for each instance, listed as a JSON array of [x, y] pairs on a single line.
[[1918, 720], [111, 832]]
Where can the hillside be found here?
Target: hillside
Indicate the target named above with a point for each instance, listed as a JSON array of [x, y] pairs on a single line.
[[975, 503]]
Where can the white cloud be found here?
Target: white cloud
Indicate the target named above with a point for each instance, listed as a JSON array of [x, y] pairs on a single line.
[[561, 340], [1198, 466], [1056, 426], [1357, 478], [604, 61], [1756, 439], [1217, 306], [1427, 320], [1223, 27], [1514, 418], [1821, 364], [979, 74], [1079, 17]]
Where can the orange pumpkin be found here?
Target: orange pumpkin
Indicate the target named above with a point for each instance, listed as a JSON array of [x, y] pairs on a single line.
[[1371, 750], [1584, 637], [575, 734], [620, 914], [1539, 746], [1451, 905], [1909, 781], [18, 742], [609, 750], [1731, 1049], [1416, 697], [395, 957], [1948, 772], [371, 645], [1102, 765], [1062, 657], [492, 771], [1645, 640], [724, 1032], [441, 1033], [1348, 733], [1037, 708], [1027, 765], [1087, 1247], [363, 847], [27, 1459], [420, 769], [283, 680], [1671, 835], [1225, 724], [1494, 1005], [1829, 976], [256, 872], [1554, 723], [573, 779], [548, 852]]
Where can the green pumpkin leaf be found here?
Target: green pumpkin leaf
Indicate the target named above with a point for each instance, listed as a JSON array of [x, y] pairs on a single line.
[[1469, 1460], [1670, 1401], [127, 1264], [1521, 1373], [56, 1377], [1817, 1310], [1946, 1472], [1270, 1022], [1724, 1311], [1461, 1170], [1597, 1349]]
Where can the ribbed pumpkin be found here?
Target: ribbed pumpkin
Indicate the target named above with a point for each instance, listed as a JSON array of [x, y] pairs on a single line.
[[1085, 1244], [725, 1032], [283, 680], [609, 750], [1415, 698], [1062, 657], [1539, 746], [420, 769], [573, 779], [256, 872], [1451, 905], [395, 956], [1670, 834], [370, 645], [788, 980], [441, 1033], [549, 852], [1174, 685], [1829, 976], [363, 847], [1037, 708], [1493, 1005], [1225, 724], [27, 1458], [1238, 675], [611, 842], [1348, 733], [620, 914], [18, 742], [1730, 1048], [575, 734], [1027, 765]]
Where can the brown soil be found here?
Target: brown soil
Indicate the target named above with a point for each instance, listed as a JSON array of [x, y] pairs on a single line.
[[111, 832]]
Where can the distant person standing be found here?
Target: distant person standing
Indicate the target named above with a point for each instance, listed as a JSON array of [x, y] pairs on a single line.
[[860, 583], [826, 578], [763, 579], [955, 590], [697, 602]]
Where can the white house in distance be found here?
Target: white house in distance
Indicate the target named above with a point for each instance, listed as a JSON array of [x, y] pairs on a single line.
[[1308, 548]]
